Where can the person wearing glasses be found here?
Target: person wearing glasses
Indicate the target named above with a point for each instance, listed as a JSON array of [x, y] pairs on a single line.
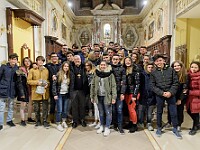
[[53, 68]]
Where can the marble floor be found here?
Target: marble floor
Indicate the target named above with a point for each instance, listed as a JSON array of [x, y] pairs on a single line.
[[21, 138]]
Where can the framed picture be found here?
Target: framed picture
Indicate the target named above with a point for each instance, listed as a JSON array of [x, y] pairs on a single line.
[[64, 28], [151, 30]]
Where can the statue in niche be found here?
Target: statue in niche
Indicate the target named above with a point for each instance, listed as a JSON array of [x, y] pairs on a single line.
[[84, 38], [129, 38]]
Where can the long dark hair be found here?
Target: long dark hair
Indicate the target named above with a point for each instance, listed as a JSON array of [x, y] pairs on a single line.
[[23, 62]]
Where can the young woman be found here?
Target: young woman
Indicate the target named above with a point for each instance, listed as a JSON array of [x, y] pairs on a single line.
[[24, 90], [132, 90], [60, 90], [90, 70], [181, 94], [193, 101], [103, 92], [147, 99]]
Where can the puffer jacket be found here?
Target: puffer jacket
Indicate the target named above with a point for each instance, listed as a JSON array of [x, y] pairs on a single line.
[[8, 81], [193, 101], [109, 83], [22, 86], [147, 96], [164, 80], [120, 78], [133, 83]]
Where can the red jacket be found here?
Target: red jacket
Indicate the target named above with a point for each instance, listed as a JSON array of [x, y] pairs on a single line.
[[193, 101]]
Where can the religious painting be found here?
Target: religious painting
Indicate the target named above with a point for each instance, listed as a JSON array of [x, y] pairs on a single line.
[[107, 31], [151, 30], [84, 38], [86, 4], [64, 31]]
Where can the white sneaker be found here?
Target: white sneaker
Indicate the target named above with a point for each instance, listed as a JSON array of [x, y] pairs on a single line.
[[60, 128], [93, 124], [97, 126], [64, 124], [100, 130], [106, 132]]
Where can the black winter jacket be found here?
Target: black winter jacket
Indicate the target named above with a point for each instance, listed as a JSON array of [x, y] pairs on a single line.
[[147, 96], [133, 83], [164, 80], [120, 78], [22, 86], [53, 70], [8, 81]]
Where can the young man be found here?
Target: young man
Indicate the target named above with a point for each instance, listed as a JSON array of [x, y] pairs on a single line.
[[53, 68], [120, 78], [164, 83], [8, 89], [62, 53], [38, 80]]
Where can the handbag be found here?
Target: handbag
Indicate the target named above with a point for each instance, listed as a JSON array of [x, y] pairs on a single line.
[[40, 90]]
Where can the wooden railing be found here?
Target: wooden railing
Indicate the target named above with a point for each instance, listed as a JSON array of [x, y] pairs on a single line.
[[185, 5]]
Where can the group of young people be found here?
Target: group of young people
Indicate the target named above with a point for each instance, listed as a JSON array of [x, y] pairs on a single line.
[[105, 82]]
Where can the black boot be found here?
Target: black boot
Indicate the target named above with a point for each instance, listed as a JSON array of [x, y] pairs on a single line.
[[133, 128], [129, 125], [193, 131]]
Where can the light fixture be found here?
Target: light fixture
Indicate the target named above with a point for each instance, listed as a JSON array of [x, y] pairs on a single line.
[[145, 2], [70, 4]]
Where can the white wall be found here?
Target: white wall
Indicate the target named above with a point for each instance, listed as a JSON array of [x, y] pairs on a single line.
[[3, 36]]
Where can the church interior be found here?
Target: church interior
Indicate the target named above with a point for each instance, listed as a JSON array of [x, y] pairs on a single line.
[[34, 28]]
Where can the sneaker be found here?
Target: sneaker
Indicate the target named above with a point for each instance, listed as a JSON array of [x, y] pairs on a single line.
[[100, 130], [150, 127], [1, 127], [121, 131], [64, 124], [176, 133], [30, 120], [97, 126], [11, 124], [37, 124], [23, 123], [193, 131], [46, 125], [106, 132], [60, 128], [179, 129], [93, 124], [158, 132]]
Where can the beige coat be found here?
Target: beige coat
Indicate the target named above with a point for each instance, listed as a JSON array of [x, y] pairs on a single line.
[[34, 76]]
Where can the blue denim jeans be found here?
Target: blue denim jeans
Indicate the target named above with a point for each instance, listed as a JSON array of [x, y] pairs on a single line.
[[117, 112], [62, 107], [104, 109], [2, 109], [142, 109], [172, 110]]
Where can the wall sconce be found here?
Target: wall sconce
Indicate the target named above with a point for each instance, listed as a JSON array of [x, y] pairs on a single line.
[[3, 29]]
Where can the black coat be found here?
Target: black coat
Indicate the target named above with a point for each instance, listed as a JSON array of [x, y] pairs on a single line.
[[147, 96], [133, 83], [22, 86], [8, 81], [83, 76], [120, 78], [164, 80], [61, 56]]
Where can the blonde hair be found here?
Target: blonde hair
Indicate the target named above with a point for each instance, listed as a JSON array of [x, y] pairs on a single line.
[[61, 73], [91, 66]]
